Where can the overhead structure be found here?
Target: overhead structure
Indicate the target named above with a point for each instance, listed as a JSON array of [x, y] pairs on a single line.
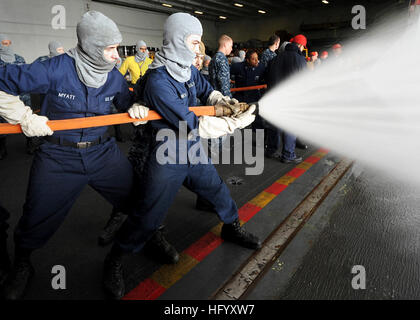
[[222, 10]]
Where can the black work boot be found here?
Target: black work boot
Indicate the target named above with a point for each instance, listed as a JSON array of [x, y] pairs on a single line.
[[118, 133], [18, 280], [5, 264], [204, 205], [112, 226], [233, 232], [3, 149], [113, 281], [159, 248]]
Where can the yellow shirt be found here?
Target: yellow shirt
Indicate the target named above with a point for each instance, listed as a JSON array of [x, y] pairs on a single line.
[[136, 69]]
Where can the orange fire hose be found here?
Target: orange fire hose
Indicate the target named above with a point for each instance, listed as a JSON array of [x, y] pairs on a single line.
[[119, 118], [263, 86], [99, 121]]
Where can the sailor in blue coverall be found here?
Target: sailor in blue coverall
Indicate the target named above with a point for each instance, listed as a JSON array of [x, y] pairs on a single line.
[[173, 85], [81, 83], [7, 56]]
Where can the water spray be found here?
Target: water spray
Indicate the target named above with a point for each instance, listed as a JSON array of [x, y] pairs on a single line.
[[364, 105]]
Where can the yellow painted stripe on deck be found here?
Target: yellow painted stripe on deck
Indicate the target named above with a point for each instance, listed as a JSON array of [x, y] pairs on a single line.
[[319, 154], [286, 180], [304, 165], [262, 199], [169, 274], [217, 229]]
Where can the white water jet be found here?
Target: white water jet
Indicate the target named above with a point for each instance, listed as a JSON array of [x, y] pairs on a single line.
[[365, 106]]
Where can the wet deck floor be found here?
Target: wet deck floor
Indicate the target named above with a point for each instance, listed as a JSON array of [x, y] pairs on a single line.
[[370, 220]]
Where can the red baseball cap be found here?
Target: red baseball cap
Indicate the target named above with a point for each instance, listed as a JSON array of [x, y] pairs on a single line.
[[300, 39], [336, 46], [314, 53], [324, 54]]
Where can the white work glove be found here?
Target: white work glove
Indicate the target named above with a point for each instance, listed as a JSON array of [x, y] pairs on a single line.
[[15, 112], [35, 126], [137, 111], [247, 117], [215, 127], [217, 98]]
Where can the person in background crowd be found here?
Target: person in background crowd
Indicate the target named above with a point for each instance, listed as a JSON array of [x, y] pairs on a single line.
[[283, 66], [248, 73], [313, 60], [337, 50], [239, 58], [219, 72], [55, 48], [7, 57], [138, 64], [337, 55], [205, 70], [282, 47], [199, 57], [270, 53], [323, 57]]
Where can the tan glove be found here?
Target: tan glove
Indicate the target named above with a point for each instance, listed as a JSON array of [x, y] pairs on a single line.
[[217, 98], [15, 112], [137, 111], [247, 117], [214, 127]]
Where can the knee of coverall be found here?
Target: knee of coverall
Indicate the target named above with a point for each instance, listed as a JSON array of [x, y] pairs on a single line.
[[204, 180]]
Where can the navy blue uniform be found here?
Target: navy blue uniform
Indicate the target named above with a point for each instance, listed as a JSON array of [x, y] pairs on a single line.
[[246, 76], [171, 99], [280, 68], [219, 74], [59, 173], [267, 56]]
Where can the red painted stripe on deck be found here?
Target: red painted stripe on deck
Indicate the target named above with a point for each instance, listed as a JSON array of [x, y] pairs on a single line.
[[247, 211], [312, 159], [146, 290], [276, 188], [204, 246], [296, 172]]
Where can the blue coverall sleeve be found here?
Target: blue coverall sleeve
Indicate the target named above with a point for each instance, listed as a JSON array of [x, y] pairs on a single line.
[[25, 78], [163, 98], [124, 99]]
